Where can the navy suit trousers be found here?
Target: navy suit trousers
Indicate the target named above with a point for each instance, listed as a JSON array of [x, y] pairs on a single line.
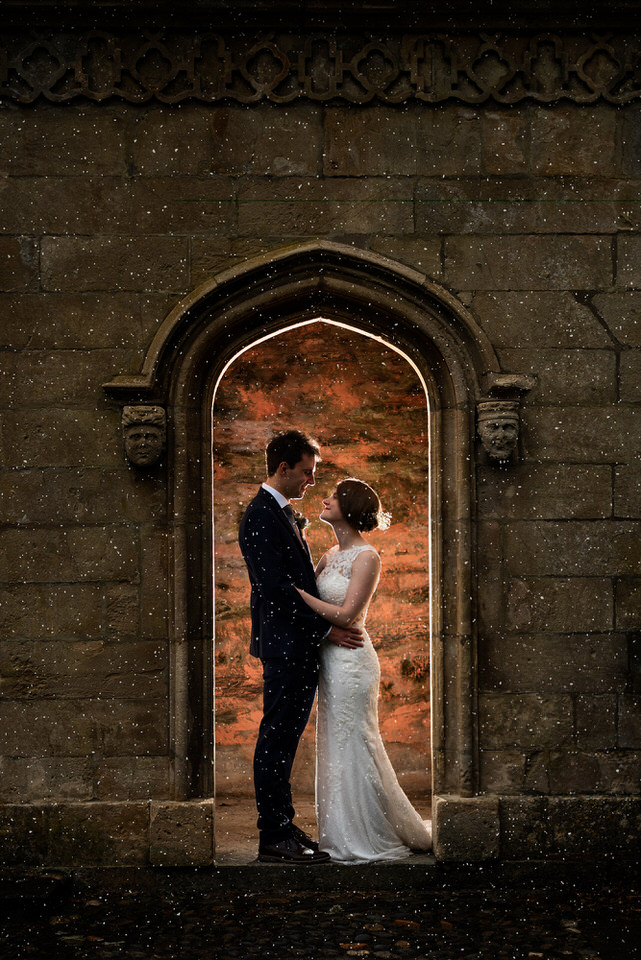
[[288, 696]]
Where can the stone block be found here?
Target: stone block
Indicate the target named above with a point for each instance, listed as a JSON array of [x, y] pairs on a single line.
[[81, 669], [491, 607], [630, 376], [524, 834], [41, 555], [174, 143], [596, 721], [553, 663], [41, 611], [562, 605], [182, 834], [383, 141], [420, 253], [571, 140], [33, 779], [630, 126], [131, 778], [79, 728], [526, 721], [69, 496], [628, 604], [154, 590], [599, 434], [122, 612], [122, 263], [314, 207], [588, 827], [539, 319], [70, 321], [537, 772], [131, 727], [530, 491], [628, 273], [98, 834], [506, 141], [210, 255], [18, 263], [491, 217], [627, 490], [466, 829], [502, 771], [574, 771], [586, 377], [375, 142], [621, 311], [23, 835], [527, 263], [36, 378], [592, 548], [267, 140], [154, 304], [50, 437], [184, 205], [448, 141], [63, 205], [630, 722], [95, 143]]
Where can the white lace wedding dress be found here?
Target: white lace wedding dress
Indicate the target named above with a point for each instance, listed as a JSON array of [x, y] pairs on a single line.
[[362, 812]]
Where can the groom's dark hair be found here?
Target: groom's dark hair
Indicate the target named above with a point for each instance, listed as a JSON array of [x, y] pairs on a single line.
[[289, 447]]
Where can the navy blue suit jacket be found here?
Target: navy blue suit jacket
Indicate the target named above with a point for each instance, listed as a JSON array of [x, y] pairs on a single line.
[[282, 623]]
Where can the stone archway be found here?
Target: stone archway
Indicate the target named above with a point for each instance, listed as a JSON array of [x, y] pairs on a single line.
[[192, 347]]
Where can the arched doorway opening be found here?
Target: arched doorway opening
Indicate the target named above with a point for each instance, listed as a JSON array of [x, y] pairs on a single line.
[[192, 348], [367, 404]]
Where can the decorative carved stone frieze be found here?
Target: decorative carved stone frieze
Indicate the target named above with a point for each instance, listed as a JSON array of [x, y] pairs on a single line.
[[144, 433], [173, 66]]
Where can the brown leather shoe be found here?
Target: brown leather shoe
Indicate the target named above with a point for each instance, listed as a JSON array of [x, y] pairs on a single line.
[[304, 838], [290, 851]]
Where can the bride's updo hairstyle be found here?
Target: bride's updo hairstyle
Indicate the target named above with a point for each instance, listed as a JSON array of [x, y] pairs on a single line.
[[360, 506]]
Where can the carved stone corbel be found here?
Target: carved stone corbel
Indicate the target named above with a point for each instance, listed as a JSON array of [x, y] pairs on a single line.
[[498, 415], [498, 425], [144, 430]]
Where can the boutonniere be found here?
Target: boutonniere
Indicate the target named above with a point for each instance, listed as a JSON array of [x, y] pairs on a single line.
[[301, 520]]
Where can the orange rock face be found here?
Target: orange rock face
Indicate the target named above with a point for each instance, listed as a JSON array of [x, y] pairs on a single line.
[[367, 407]]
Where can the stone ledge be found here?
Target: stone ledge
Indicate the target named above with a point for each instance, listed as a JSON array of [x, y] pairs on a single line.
[[170, 834], [128, 833], [537, 828]]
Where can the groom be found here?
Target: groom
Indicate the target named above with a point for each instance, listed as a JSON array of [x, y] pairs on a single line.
[[285, 635]]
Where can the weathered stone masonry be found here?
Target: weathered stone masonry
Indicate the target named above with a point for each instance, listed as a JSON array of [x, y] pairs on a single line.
[[497, 221]]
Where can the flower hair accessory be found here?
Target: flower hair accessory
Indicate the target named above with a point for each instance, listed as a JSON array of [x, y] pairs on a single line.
[[384, 518]]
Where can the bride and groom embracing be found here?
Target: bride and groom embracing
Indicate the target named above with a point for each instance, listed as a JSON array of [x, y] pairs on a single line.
[[308, 629]]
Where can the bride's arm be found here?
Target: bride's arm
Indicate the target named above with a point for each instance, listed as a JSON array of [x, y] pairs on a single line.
[[362, 584]]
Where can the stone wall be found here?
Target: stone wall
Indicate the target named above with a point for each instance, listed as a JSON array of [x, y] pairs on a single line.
[[529, 215]]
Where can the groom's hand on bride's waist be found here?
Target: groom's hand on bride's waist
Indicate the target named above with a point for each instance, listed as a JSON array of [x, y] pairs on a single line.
[[350, 637]]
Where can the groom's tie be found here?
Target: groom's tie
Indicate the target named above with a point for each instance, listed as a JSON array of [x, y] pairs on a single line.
[[288, 510]]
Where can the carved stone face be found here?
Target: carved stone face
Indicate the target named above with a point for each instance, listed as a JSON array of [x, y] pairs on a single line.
[[498, 428], [144, 434]]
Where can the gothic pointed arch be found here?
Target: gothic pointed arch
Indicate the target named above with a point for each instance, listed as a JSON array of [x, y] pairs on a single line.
[[191, 349]]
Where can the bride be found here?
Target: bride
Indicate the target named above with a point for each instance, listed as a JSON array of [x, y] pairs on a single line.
[[363, 814]]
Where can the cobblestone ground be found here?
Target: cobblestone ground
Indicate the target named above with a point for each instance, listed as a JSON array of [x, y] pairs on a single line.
[[529, 920]]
